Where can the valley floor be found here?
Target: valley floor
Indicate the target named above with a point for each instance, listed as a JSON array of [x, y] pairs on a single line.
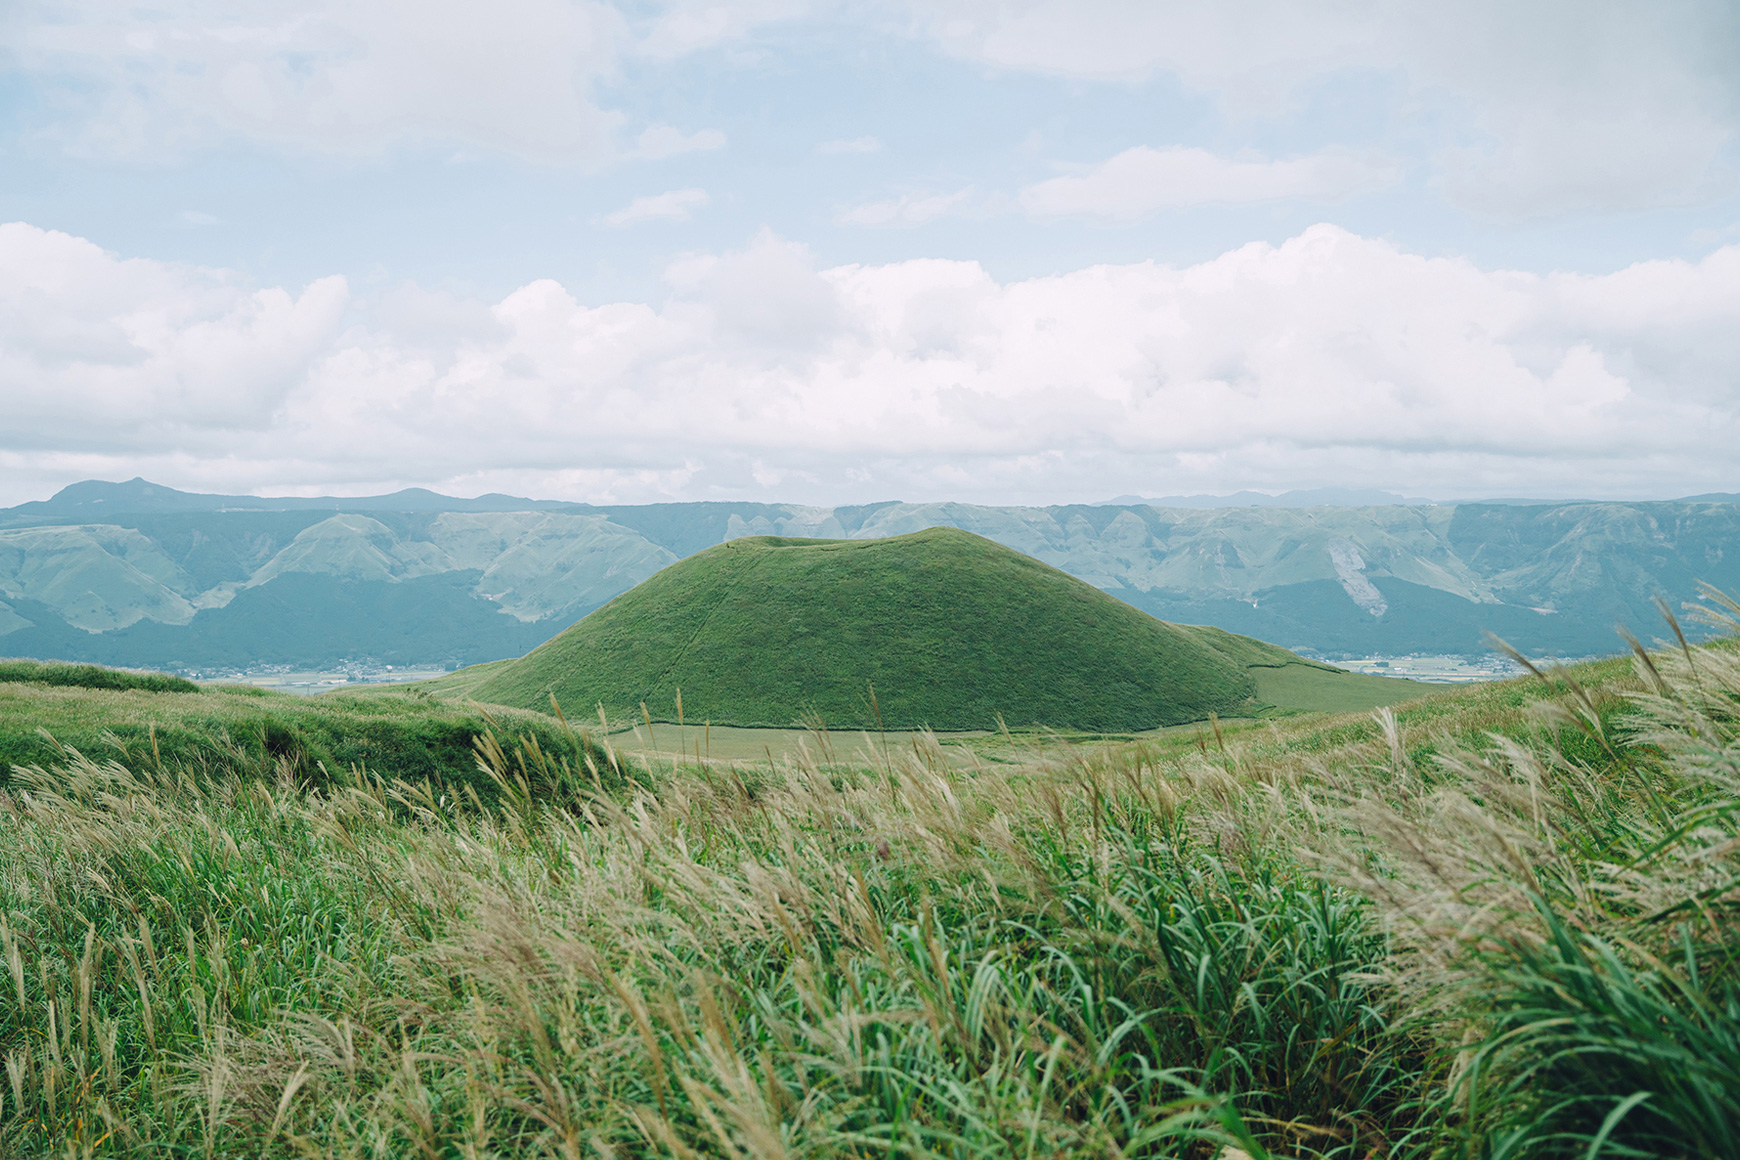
[[1436, 668], [314, 681]]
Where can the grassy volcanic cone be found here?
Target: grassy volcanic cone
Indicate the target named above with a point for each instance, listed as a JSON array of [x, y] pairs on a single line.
[[951, 629]]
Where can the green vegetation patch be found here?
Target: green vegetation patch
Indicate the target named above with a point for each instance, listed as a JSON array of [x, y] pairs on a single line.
[[951, 630], [220, 728], [1318, 688], [91, 677]]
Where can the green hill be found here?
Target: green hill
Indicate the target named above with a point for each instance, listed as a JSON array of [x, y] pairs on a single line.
[[952, 630]]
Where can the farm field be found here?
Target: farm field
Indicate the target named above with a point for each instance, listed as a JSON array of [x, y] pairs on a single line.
[[1437, 669], [312, 682]]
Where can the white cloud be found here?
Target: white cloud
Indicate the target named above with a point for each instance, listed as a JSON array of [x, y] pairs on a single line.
[[1139, 181], [1249, 45], [358, 76], [345, 75], [680, 27], [909, 209], [850, 145], [676, 206], [1539, 108], [1331, 357], [767, 297], [1532, 109], [660, 141], [94, 349]]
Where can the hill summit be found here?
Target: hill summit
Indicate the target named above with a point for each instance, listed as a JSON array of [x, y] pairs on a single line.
[[951, 630]]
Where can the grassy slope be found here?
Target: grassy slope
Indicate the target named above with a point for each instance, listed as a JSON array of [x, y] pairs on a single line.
[[217, 727], [106, 713], [952, 631], [1320, 689], [91, 677], [1286, 680], [1065, 951]]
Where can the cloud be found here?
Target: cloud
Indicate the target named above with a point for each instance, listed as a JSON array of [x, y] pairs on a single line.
[[680, 27], [1329, 358], [661, 141], [909, 209], [359, 77], [351, 76], [676, 206], [849, 145], [1539, 108], [1139, 181], [1533, 109], [767, 297], [96, 350]]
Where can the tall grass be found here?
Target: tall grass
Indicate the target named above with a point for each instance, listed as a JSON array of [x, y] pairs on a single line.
[[1042, 959], [1570, 915], [1344, 937]]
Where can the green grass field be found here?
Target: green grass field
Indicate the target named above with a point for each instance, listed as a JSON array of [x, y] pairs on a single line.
[[221, 727], [71, 676], [951, 631], [1499, 921], [1320, 689]]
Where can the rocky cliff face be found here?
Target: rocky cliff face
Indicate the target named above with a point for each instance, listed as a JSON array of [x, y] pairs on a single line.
[[178, 585]]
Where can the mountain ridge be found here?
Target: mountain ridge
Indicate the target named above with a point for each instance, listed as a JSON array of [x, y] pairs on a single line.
[[81, 575], [138, 496]]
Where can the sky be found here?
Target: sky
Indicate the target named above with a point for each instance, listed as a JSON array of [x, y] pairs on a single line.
[[992, 251]]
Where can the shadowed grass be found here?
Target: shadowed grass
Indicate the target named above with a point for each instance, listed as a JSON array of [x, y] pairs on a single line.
[[221, 729]]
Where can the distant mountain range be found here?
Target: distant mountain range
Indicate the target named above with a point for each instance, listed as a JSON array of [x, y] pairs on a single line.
[[1351, 497], [1315, 497], [138, 574]]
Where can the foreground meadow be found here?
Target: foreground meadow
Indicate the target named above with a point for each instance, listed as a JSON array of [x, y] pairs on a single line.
[[1499, 922]]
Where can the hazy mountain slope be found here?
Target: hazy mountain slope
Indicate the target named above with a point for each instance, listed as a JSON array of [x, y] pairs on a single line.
[[215, 548], [305, 620], [10, 621], [355, 547], [98, 577], [1340, 580], [686, 528], [1617, 555], [542, 565], [235, 584], [94, 500], [1229, 552]]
